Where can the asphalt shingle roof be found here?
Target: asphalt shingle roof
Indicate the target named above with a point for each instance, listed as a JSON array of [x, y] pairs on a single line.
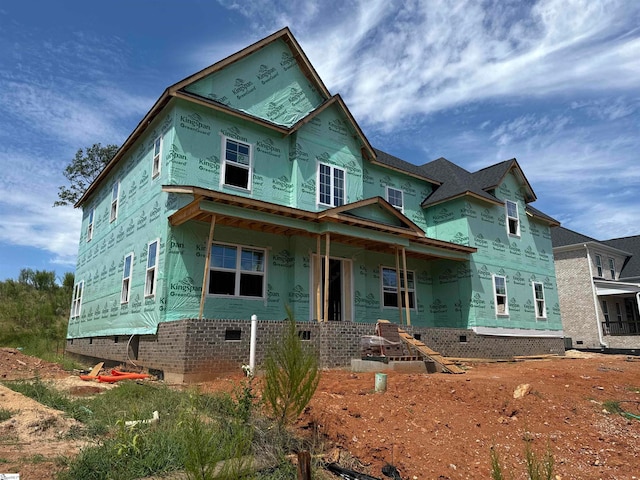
[[630, 245], [561, 236]]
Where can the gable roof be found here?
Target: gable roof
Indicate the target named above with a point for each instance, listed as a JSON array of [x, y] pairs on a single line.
[[491, 177], [455, 182], [631, 268], [177, 90]]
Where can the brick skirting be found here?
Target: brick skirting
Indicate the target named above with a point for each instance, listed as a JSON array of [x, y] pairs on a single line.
[[192, 350]]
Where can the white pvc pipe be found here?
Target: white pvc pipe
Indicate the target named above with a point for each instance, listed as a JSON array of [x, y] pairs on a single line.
[[252, 345]]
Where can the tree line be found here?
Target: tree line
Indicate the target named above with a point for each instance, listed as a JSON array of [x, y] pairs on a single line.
[[34, 311]]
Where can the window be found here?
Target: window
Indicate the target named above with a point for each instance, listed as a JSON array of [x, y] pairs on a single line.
[[599, 265], [76, 301], [612, 268], [538, 296], [390, 288], [157, 162], [90, 225], [605, 311], [236, 271], [126, 279], [500, 292], [395, 198], [331, 186], [115, 193], [618, 313], [513, 221], [152, 263], [236, 166]]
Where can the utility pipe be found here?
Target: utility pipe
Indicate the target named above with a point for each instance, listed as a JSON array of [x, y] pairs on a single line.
[[252, 345]]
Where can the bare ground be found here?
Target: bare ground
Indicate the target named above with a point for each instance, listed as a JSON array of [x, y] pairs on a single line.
[[437, 426]]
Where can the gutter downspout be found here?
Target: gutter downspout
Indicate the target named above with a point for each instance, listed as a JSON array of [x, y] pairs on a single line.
[[595, 300]]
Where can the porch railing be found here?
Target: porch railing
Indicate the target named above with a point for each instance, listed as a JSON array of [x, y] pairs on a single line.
[[621, 328]]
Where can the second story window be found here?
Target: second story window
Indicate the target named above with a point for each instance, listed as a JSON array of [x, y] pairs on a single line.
[[513, 220], [599, 265], [152, 263], [331, 185], [90, 225], [115, 194], [157, 158], [396, 198], [612, 268], [500, 295], [126, 279], [236, 164]]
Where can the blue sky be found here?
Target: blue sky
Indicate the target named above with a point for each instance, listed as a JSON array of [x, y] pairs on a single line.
[[554, 83]]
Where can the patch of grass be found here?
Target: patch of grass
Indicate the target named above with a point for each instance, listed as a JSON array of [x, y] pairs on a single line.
[[536, 468], [612, 406], [5, 414]]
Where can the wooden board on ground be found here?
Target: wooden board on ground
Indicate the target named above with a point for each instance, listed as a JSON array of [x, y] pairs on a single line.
[[95, 370]]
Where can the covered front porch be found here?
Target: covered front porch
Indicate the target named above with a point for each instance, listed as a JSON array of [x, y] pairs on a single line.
[[348, 258], [620, 307]]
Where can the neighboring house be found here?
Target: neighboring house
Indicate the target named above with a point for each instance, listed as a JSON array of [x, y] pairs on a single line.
[[599, 287], [249, 188]]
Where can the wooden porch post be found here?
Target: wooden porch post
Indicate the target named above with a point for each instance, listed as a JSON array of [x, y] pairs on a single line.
[[326, 278], [399, 290], [318, 279], [406, 286], [206, 266]]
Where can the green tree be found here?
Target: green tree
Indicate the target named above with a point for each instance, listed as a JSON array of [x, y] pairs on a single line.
[[82, 170], [291, 375]]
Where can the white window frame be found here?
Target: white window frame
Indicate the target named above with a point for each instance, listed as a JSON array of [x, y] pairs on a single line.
[[510, 218], [235, 164], [76, 301], [599, 265], [156, 162], [612, 268], [115, 201], [151, 275], [536, 300], [393, 289], [90, 224], [238, 271], [333, 170], [497, 295], [125, 293], [619, 316], [396, 191]]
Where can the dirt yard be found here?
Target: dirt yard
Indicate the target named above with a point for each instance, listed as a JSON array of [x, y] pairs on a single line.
[[437, 426]]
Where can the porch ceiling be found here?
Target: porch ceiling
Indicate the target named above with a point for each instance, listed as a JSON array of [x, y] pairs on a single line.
[[256, 215]]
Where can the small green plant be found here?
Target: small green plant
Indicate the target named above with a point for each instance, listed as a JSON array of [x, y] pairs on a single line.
[[612, 406], [537, 468], [5, 414], [291, 375]]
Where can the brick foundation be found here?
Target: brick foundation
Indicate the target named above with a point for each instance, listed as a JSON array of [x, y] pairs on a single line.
[[193, 350]]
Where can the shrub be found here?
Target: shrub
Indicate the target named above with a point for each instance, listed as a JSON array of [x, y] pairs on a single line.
[[291, 375]]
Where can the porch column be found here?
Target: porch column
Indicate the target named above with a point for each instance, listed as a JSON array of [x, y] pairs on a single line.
[[317, 274], [399, 290], [406, 286], [206, 266], [326, 277]]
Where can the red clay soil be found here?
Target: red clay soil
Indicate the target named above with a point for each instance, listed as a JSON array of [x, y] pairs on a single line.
[[437, 426], [442, 426]]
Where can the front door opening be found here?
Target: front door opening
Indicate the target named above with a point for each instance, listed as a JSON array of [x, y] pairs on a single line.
[[338, 280]]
